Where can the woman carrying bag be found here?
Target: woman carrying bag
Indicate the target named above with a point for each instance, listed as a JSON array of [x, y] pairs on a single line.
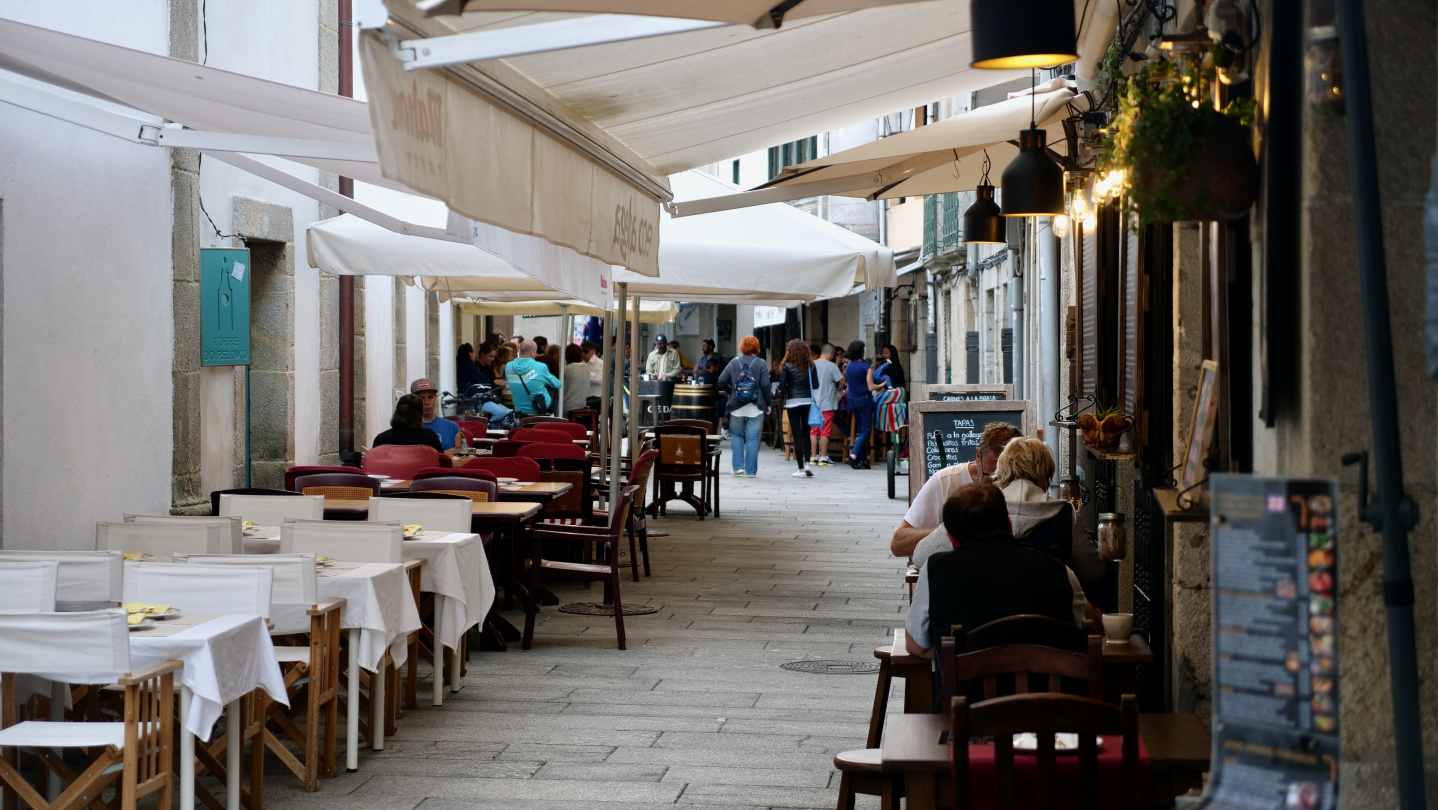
[[795, 385]]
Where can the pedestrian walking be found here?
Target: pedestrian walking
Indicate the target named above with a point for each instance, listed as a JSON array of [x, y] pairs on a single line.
[[798, 389], [746, 379], [861, 403]]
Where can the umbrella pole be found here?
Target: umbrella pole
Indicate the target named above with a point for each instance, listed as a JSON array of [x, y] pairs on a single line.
[[564, 330], [621, 294], [634, 381], [606, 376]]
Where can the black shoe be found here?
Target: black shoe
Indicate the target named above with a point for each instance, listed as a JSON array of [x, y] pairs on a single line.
[[854, 463], [865, 466]]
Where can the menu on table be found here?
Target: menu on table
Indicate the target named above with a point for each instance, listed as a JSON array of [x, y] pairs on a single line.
[[1275, 649]]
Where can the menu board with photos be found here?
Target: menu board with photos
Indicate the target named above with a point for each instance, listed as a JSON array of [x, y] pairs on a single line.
[[959, 424], [1275, 649]]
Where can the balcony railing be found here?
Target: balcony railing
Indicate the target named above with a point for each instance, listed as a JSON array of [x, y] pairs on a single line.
[[943, 232]]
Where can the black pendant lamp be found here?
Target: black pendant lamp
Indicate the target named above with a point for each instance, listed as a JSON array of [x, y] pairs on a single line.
[[1033, 182], [1025, 34], [983, 221]]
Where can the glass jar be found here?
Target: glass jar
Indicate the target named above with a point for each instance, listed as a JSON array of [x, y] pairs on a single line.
[[1072, 491], [1112, 537], [1325, 70]]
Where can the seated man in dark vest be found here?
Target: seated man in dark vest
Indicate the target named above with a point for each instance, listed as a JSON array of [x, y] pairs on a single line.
[[987, 576]]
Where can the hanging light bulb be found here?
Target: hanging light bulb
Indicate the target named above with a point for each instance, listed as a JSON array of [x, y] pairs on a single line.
[[1080, 206], [1033, 182], [983, 221], [1061, 226], [1041, 35]]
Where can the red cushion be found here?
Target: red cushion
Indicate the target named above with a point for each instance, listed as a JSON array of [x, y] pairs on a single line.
[[546, 450], [536, 434], [523, 469], [400, 461]]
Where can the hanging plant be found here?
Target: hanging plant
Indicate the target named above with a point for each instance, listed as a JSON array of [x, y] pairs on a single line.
[[1181, 158]]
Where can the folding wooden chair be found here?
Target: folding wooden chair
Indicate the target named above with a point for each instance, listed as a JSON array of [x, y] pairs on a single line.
[[160, 540], [607, 572], [273, 510], [234, 525], [28, 586]]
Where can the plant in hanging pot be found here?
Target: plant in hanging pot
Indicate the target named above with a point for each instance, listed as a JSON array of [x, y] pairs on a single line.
[[1103, 427], [1182, 158]]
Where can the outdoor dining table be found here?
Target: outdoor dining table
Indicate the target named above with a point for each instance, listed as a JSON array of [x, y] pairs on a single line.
[[224, 657], [1173, 753]]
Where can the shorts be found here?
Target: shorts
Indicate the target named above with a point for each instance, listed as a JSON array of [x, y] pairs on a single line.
[[825, 430]]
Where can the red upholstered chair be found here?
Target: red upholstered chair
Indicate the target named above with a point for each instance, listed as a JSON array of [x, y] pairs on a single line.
[[521, 469], [536, 420], [457, 484], [539, 450], [400, 461], [575, 432], [435, 472], [541, 434], [295, 472], [507, 448], [472, 429]]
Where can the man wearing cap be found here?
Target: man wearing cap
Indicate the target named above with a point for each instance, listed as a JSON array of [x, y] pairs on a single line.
[[447, 431], [663, 363]]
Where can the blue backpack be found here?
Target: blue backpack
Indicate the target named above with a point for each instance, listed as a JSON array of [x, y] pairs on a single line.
[[746, 389]]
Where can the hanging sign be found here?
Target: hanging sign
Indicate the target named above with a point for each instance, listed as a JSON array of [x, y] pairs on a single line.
[[224, 307], [964, 392], [1275, 643], [959, 424]]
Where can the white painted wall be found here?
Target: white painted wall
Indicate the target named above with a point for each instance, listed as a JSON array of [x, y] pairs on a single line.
[[87, 319], [447, 347], [413, 334], [379, 356]]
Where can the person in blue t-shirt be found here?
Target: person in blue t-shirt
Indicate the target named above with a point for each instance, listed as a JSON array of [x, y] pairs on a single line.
[[860, 401], [447, 431]]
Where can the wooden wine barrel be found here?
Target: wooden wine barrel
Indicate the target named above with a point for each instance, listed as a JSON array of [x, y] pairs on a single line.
[[693, 402]]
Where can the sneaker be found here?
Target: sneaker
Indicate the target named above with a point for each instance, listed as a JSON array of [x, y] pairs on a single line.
[[865, 466], [802, 474], [725, 433], [824, 462], [808, 472], [752, 475], [741, 472]]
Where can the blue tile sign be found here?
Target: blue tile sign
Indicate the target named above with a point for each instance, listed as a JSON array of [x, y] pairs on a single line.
[[224, 307]]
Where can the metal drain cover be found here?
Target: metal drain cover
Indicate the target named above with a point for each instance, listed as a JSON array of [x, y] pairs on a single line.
[[601, 609], [833, 667]]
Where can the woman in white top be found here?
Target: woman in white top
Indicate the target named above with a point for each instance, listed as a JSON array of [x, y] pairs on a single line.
[[576, 378]]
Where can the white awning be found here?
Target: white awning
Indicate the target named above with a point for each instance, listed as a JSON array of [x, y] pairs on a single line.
[[758, 13], [944, 156], [649, 311]]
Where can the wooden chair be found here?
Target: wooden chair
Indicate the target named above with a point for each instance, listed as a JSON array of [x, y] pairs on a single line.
[[346, 486], [133, 754], [859, 771], [162, 540], [234, 525], [28, 586], [715, 453], [521, 469], [1043, 715], [1015, 668], [607, 572], [1025, 628], [506, 448], [310, 469], [540, 451], [587, 418], [683, 461], [638, 525], [456, 472]]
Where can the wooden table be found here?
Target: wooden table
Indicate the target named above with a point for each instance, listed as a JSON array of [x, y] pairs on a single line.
[[1178, 750]]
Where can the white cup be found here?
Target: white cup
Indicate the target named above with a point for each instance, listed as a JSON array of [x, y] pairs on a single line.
[[1117, 627]]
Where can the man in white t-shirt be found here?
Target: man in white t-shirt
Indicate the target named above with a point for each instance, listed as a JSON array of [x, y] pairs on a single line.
[[589, 350], [827, 397], [921, 532]]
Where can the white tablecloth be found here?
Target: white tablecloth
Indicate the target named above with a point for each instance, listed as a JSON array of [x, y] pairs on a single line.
[[225, 659], [456, 571], [379, 603]]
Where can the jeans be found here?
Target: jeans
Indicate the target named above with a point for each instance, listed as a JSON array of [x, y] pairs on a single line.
[[494, 410], [744, 442], [863, 424]]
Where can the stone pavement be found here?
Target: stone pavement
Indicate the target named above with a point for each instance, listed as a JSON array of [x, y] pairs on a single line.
[[697, 712]]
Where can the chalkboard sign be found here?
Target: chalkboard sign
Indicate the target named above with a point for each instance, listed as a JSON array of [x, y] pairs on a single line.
[[960, 424], [1275, 643], [963, 393]]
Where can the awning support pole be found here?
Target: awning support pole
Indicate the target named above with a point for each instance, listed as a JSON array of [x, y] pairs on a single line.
[[346, 283], [564, 329], [634, 413], [616, 444], [1395, 509], [606, 379]]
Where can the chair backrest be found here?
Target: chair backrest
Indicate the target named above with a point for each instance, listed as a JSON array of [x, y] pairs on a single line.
[[28, 586], [160, 540], [476, 489], [1025, 628], [571, 431], [273, 510], [93, 641], [294, 587], [1020, 669], [522, 469], [535, 420], [506, 448], [400, 461], [543, 433], [245, 589], [578, 502], [310, 469], [473, 428], [552, 450], [354, 486], [702, 424], [682, 450], [457, 472], [1045, 715], [234, 524], [83, 576], [434, 515], [586, 418], [350, 541], [219, 493], [639, 479]]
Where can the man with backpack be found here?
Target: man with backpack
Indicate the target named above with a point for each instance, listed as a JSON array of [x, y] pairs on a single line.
[[746, 379]]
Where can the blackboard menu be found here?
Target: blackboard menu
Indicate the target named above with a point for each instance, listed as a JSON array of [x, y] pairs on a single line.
[[1275, 648], [959, 425], [967, 393]]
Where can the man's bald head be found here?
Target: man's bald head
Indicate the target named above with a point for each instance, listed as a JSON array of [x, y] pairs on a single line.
[[528, 348]]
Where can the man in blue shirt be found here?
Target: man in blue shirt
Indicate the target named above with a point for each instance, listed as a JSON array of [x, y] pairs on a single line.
[[528, 379], [447, 431]]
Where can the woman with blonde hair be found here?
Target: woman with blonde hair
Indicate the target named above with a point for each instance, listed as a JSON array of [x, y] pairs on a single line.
[[1049, 524], [746, 380]]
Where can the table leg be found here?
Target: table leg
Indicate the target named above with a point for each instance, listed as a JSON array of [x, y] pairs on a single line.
[[187, 753], [921, 791], [234, 728], [438, 698], [352, 705], [58, 692], [454, 664], [376, 704]]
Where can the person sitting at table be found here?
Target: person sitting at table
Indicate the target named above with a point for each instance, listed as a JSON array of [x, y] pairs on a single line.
[[447, 431], [986, 575], [529, 381], [406, 427], [1049, 524], [576, 378], [921, 533]]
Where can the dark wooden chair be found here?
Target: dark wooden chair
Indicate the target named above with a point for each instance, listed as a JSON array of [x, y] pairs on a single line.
[[1018, 668], [456, 472], [711, 487], [1025, 628], [638, 524], [352, 485], [506, 448], [587, 417], [475, 489], [683, 462], [1043, 715], [608, 572]]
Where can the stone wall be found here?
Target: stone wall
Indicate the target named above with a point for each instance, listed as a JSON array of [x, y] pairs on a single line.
[[186, 495], [270, 231], [431, 339], [329, 437]]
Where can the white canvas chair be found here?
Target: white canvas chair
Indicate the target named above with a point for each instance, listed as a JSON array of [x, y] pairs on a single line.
[[294, 596], [134, 755], [437, 514], [244, 589], [28, 586], [273, 510], [351, 541], [162, 540], [83, 576], [235, 525]]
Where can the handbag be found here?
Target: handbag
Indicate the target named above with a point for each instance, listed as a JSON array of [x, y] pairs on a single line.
[[539, 403], [816, 416]]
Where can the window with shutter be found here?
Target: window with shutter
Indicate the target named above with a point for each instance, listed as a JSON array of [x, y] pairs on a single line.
[[1088, 308]]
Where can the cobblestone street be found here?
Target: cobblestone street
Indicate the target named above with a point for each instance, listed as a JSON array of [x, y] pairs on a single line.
[[697, 711]]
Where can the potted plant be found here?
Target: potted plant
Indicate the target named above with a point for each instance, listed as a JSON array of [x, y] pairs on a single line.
[[1103, 427], [1183, 159]]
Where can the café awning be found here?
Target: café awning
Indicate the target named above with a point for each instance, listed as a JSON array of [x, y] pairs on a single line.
[[758, 13], [649, 311], [941, 157]]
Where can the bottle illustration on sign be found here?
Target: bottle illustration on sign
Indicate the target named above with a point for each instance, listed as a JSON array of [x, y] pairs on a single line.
[[225, 312]]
